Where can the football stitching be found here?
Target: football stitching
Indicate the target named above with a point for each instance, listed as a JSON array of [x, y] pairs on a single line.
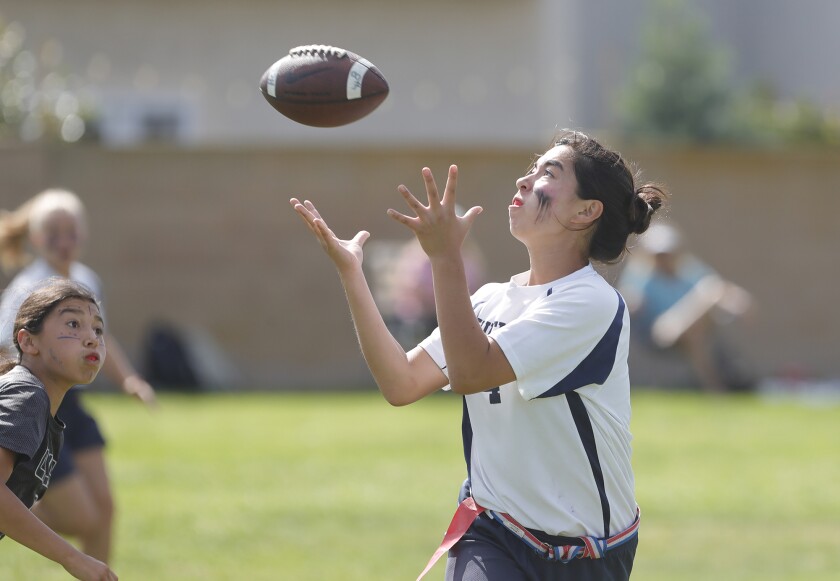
[[320, 49]]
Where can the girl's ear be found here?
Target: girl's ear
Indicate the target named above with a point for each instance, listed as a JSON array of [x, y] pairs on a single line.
[[590, 212], [26, 340]]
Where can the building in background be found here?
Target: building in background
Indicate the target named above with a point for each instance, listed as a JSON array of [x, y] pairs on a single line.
[[462, 73]]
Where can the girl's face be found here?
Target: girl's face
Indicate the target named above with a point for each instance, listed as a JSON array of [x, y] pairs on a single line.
[[547, 202], [547, 193], [71, 344], [59, 239]]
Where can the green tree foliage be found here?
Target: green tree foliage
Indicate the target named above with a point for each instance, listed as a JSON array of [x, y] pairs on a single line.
[[764, 117], [683, 91]]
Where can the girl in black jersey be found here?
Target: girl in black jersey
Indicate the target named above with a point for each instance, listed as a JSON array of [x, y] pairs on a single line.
[[59, 337]]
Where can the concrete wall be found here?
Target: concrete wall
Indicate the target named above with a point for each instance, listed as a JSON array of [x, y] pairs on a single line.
[[206, 239]]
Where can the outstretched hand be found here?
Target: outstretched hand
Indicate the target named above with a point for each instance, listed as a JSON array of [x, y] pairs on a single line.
[[344, 253], [137, 387], [438, 228]]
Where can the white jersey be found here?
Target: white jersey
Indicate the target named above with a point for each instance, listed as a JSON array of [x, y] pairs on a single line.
[[552, 448], [29, 279]]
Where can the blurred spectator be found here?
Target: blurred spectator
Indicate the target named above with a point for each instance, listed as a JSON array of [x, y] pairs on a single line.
[[679, 304], [412, 308]]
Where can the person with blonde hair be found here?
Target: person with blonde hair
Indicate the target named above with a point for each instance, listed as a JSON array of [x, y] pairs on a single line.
[[80, 501]]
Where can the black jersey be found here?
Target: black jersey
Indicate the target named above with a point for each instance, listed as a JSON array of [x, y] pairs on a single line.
[[29, 430]]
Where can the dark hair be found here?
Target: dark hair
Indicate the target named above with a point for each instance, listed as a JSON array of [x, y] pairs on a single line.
[[38, 306], [604, 176]]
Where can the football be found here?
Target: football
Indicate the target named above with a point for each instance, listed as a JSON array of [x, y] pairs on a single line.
[[323, 86]]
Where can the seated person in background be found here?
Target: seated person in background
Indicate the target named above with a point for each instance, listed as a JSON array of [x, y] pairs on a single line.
[[677, 302]]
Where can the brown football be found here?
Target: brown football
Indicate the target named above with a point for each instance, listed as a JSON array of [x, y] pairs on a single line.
[[323, 86]]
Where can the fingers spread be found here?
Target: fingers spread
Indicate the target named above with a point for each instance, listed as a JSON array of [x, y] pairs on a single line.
[[471, 214], [403, 219], [306, 216], [431, 187], [451, 185], [311, 207], [323, 228], [409, 198], [361, 237]]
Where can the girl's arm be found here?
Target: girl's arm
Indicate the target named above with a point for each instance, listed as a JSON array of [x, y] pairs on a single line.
[[120, 371], [402, 377], [474, 361], [18, 523]]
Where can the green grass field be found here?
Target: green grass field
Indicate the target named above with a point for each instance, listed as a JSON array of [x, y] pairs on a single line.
[[343, 487]]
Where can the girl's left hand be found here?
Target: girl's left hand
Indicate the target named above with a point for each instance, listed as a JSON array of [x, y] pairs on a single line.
[[438, 228], [138, 387], [346, 254]]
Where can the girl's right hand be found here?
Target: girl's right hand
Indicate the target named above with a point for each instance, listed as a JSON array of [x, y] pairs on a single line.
[[87, 568], [346, 254]]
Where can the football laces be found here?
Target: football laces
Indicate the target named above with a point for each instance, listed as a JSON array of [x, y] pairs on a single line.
[[319, 49]]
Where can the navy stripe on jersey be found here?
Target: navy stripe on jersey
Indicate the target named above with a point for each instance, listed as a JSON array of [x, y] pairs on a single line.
[[597, 366], [467, 436], [587, 438]]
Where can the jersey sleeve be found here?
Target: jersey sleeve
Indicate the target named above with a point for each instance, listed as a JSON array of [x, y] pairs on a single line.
[[13, 297], [26, 281], [433, 344], [563, 341], [434, 347], [23, 418]]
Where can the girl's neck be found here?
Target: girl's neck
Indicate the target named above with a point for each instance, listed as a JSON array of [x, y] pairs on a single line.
[[553, 264], [55, 388]]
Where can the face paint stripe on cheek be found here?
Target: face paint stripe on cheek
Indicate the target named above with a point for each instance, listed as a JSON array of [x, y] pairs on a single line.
[[544, 203]]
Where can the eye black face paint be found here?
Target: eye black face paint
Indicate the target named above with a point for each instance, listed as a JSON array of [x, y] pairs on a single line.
[[544, 203]]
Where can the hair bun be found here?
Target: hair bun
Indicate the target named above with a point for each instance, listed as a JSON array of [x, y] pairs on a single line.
[[646, 201]]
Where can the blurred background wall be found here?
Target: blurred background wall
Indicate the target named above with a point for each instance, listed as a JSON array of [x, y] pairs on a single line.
[[205, 239], [467, 72], [186, 171]]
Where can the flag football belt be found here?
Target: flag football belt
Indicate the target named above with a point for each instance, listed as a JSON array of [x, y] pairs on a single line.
[[591, 547]]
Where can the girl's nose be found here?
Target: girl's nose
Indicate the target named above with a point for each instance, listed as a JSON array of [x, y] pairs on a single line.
[[522, 183]]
